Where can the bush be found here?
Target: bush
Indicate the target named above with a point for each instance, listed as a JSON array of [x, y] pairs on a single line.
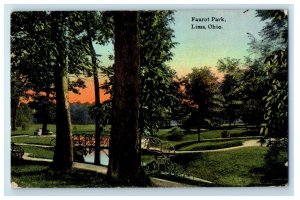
[[176, 134], [212, 145], [183, 144], [276, 159], [245, 133], [24, 116], [225, 134]]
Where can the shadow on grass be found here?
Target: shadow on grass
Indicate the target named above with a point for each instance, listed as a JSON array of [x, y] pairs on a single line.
[[36, 174]]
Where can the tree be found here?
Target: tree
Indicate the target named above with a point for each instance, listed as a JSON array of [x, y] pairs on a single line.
[[274, 44], [253, 89], [80, 113], [24, 116], [276, 63], [157, 78], [230, 87], [63, 153], [96, 30], [45, 49], [228, 65], [157, 95], [202, 90], [18, 84], [124, 159], [39, 105], [33, 56]]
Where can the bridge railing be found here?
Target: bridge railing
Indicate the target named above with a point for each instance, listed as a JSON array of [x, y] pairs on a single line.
[[89, 140], [154, 144], [148, 143]]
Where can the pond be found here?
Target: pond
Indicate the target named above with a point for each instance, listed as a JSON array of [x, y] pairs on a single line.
[[89, 158]]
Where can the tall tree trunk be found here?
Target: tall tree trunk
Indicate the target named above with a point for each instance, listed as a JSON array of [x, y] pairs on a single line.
[[46, 113], [97, 104], [124, 161], [14, 107], [199, 130], [63, 154]]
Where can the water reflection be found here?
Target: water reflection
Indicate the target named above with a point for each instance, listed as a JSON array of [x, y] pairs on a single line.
[[89, 158]]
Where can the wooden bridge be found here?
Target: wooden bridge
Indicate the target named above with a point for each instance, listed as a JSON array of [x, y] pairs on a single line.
[[148, 143]]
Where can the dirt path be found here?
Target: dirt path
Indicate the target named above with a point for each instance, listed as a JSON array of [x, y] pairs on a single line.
[[157, 182], [103, 170]]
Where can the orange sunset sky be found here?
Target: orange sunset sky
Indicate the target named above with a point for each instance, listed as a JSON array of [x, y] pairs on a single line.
[[87, 95]]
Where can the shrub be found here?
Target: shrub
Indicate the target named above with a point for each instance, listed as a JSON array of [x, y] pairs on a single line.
[[212, 145], [176, 134], [276, 159], [245, 133], [225, 134]]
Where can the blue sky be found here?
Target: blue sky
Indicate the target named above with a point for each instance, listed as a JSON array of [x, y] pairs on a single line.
[[198, 47]]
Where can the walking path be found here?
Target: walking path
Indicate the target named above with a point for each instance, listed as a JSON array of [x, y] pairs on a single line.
[[34, 145], [103, 170], [248, 143], [156, 181]]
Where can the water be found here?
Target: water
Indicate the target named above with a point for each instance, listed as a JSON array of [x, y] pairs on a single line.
[[89, 158]]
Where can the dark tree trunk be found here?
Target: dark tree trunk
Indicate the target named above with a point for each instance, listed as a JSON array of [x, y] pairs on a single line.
[[46, 114], [97, 105], [124, 160], [199, 130], [14, 107], [63, 154]]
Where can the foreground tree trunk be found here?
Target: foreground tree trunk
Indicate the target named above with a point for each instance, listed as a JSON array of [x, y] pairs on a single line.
[[124, 160], [63, 154]]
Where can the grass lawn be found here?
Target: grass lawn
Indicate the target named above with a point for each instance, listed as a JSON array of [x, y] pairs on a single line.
[[204, 134], [76, 129], [32, 129], [38, 152], [42, 140], [229, 168], [194, 146]]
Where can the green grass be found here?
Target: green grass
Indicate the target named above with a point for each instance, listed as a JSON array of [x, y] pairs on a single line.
[[29, 174], [32, 129], [204, 134], [41, 140], [76, 129], [39, 152], [194, 146], [229, 168]]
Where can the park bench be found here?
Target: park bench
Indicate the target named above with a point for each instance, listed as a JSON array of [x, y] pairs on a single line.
[[17, 152]]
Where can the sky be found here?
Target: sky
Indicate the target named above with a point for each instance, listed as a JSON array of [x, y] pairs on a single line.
[[203, 37], [204, 47]]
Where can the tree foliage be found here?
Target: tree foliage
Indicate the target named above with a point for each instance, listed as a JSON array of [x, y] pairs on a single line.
[[276, 64], [157, 92], [231, 87], [34, 58], [205, 99], [24, 116]]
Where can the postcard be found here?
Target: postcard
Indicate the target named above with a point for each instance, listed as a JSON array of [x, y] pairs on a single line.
[[149, 98]]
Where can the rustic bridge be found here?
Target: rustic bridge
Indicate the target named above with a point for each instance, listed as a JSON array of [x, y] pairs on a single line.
[[148, 143]]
